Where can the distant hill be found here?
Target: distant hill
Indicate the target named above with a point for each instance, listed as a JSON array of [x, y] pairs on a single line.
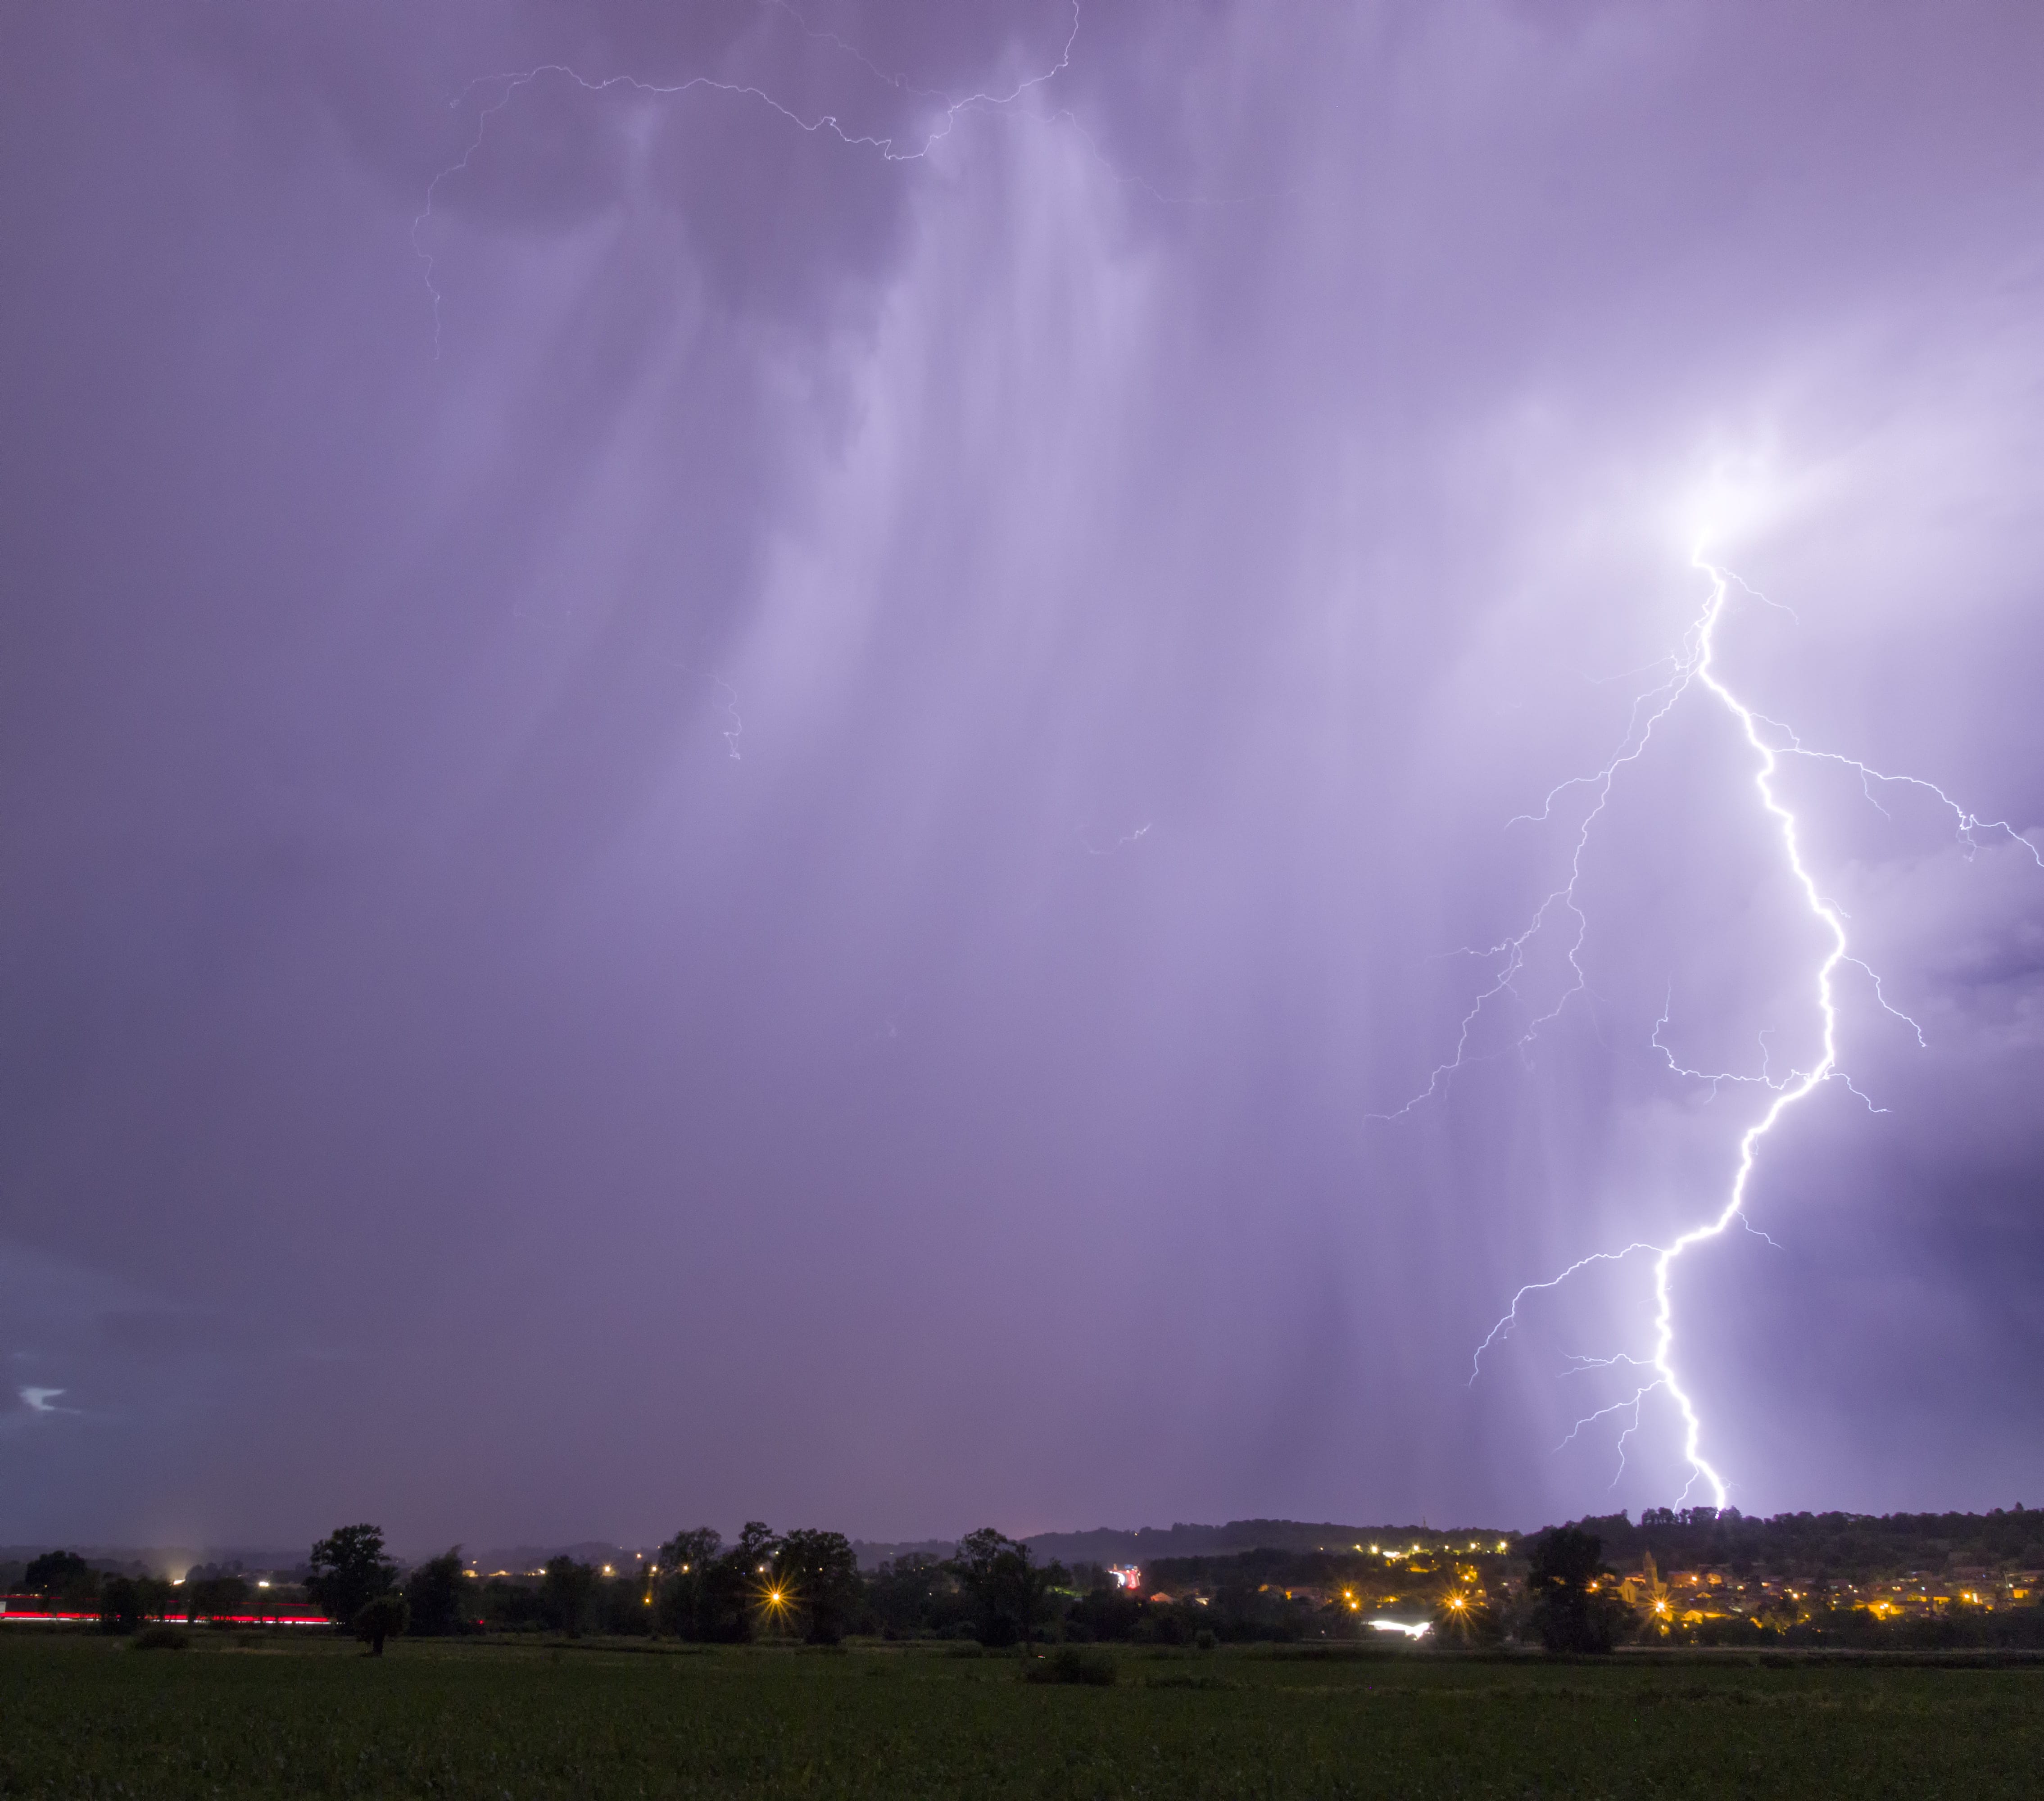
[[872, 1552], [1145, 1543]]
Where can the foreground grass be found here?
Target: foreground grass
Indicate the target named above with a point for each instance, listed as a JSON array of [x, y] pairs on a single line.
[[81, 1716]]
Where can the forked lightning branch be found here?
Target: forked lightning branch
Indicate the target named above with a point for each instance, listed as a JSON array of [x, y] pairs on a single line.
[[1769, 743]]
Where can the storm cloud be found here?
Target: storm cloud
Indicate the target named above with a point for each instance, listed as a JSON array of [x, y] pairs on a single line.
[[741, 746]]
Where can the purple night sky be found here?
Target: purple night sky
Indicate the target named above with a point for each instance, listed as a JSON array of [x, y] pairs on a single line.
[[777, 860]]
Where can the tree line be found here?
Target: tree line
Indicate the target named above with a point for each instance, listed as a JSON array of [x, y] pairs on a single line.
[[803, 1584], [1852, 1547], [1556, 1587]]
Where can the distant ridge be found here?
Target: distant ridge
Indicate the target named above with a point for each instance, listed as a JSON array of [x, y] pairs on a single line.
[[1109, 1545], [160, 1559]]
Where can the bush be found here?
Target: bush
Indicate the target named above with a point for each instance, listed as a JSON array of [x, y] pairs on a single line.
[[163, 1638], [119, 1605], [1071, 1663], [383, 1617]]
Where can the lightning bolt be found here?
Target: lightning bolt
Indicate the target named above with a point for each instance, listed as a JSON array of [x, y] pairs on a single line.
[[890, 147], [1694, 667], [1122, 841], [735, 730]]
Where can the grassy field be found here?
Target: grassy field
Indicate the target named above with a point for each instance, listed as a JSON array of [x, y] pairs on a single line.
[[81, 1716]]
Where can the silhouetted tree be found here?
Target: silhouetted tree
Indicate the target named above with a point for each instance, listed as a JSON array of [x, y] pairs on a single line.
[[1575, 1602], [433, 1591], [380, 1618], [728, 1602], [1008, 1590], [510, 1606], [687, 1552], [1105, 1613], [61, 1576], [623, 1603], [684, 1563], [349, 1571], [565, 1589], [818, 1572], [121, 1604], [914, 1593], [215, 1597]]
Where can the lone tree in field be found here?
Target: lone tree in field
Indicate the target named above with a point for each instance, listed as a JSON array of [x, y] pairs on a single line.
[[349, 1570], [1575, 1599]]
